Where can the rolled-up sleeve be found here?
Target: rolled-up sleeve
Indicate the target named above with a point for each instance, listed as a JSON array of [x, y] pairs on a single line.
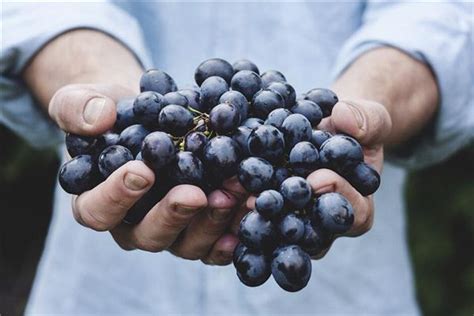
[[440, 35], [26, 28]]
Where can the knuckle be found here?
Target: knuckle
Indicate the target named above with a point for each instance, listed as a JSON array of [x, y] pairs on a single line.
[[94, 222], [150, 245]]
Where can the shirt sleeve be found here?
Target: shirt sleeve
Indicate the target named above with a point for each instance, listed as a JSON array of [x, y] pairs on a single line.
[[26, 28], [440, 35]]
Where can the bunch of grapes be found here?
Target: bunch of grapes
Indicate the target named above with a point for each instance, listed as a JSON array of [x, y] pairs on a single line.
[[236, 121]]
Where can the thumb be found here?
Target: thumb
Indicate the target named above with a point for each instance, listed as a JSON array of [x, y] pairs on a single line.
[[86, 109], [367, 121]]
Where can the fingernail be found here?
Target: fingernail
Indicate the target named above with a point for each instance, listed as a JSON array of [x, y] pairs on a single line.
[[220, 214], [134, 182], [326, 189], [357, 114], [93, 110]]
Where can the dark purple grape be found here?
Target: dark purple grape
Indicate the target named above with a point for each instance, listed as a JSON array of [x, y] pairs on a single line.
[[112, 158], [340, 153], [252, 122], [310, 110], [158, 81], [213, 67], [139, 210], [195, 143], [241, 137], [238, 251], [139, 156], [211, 90], [221, 157], [276, 117], [79, 174], [132, 137], [267, 142], [333, 213], [314, 240], [81, 145], [281, 174], [247, 82], [175, 120], [253, 267], [255, 174], [187, 169], [303, 159], [125, 116], [146, 107], [238, 100], [291, 229], [257, 233], [175, 98], [318, 137], [270, 76], [194, 99], [108, 139], [158, 150], [296, 128], [245, 64], [286, 91], [224, 118], [265, 101], [270, 204], [291, 268], [325, 98], [363, 178], [296, 192]]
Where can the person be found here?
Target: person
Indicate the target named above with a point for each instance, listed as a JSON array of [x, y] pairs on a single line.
[[403, 72]]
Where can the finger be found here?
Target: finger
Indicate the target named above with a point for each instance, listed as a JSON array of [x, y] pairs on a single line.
[[86, 109], [233, 186], [250, 203], [222, 251], [325, 180], [235, 223], [160, 228], [103, 207], [206, 228]]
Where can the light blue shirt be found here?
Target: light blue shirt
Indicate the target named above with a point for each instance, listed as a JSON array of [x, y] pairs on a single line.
[[82, 271]]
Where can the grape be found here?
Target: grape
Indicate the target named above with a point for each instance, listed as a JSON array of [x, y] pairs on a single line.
[[291, 268], [286, 91], [252, 122], [158, 81], [132, 137], [241, 137], [175, 119], [281, 174], [319, 137], [303, 159], [255, 174], [314, 240], [256, 232], [340, 153], [80, 145], [238, 250], [147, 106], [211, 90], [213, 67], [245, 64], [310, 110], [175, 98], [270, 76], [79, 174], [125, 116], [296, 192], [158, 150], [276, 117], [253, 268], [195, 142], [247, 82], [267, 142], [187, 169], [363, 178], [108, 139], [238, 100], [112, 158], [266, 101], [193, 98], [224, 118], [296, 128], [291, 228], [139, 210], [325, 98], [333, 213], [221, 157], [269, 204]]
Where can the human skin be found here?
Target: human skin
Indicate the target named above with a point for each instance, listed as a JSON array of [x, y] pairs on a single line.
[[386, 98]]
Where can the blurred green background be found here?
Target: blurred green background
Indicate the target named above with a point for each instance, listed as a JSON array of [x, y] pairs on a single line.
[[440, 205]]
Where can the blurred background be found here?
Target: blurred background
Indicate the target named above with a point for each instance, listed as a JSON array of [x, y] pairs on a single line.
[[440, 207]]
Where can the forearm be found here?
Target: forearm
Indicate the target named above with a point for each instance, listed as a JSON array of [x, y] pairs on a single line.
[[405, 86], [81, 56]]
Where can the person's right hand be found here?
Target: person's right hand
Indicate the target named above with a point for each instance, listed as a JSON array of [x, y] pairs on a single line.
[[186, 222]]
